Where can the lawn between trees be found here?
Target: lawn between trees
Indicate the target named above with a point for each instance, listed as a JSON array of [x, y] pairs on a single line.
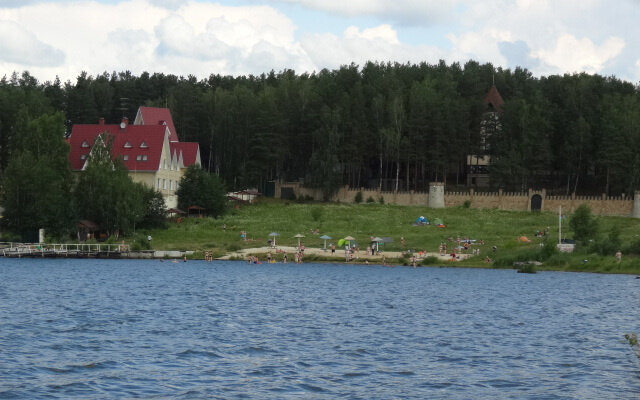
[[502, 229]]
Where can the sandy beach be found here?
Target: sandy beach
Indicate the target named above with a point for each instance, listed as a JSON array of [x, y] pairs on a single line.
[[339, 255]]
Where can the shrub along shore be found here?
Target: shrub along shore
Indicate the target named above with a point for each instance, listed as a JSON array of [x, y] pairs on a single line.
[[497, 235]]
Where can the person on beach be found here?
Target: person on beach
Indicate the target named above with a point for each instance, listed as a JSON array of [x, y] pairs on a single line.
[[268, 257], [284, 258], [333, 249], [619, 255]]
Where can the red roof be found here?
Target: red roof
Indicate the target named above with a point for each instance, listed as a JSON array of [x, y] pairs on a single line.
[[157, 116], [139, 146], [189, 151], [494, 99]]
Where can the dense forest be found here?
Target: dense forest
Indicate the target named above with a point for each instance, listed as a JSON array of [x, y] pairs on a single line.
[[393, 126]]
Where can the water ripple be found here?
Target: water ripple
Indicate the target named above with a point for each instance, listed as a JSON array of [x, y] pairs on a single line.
[[100, 329]]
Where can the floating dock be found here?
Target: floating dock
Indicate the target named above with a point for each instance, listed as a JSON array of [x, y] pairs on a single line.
[[82, 250]]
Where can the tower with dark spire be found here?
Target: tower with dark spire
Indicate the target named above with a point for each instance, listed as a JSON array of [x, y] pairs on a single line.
[[478, 174]]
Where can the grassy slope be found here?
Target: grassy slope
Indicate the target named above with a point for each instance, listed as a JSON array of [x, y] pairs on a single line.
[[499, 228]]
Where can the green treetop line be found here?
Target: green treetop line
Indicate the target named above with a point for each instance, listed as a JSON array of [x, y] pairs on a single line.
[[395, 126]]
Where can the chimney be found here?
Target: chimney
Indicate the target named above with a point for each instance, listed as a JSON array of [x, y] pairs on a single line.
[[101, 121]]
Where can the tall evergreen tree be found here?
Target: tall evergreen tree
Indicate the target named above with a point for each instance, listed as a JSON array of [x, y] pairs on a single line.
[[37, 182]]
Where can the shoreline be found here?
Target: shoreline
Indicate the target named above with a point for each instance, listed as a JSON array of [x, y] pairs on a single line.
[[278, 251], [316, 255]]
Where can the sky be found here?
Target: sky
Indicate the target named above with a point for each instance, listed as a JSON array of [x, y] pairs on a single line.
[[62, 38]]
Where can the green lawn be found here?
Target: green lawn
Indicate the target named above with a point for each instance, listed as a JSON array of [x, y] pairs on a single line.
[[494, 227]]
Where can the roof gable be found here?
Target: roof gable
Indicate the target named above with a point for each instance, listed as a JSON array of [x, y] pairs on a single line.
[[157, 116], [135, 158], [188, 151], [493, 99]]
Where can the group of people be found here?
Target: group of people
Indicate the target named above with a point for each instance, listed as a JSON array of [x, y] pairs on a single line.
[[298, 257]]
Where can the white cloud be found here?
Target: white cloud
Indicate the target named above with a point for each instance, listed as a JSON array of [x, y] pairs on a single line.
[[138, 35], [482, 45], [373, 44], [573, 55], [200, 37], [20, 46], [407, 11], [383, 32]]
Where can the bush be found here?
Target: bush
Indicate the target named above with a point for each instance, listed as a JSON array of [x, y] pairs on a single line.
[[370, 200], [633, 247], [358, 198], [316, 213], [548, 250], [381, 200], [609, 245], [199, 188], [233, 247], [431, 260], [466, 204], [583, 224], [140, 242]]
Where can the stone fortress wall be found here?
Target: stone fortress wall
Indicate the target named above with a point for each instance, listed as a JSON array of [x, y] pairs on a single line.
[[437, 197]]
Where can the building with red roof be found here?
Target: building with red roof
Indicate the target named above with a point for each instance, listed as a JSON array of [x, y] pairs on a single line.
[[149, 148], [157, 116]]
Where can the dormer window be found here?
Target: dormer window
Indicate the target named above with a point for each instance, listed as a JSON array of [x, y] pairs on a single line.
[[127, 145], [85, 144], [143, 145]]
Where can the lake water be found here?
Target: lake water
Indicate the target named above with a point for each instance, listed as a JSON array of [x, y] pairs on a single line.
[[151, 329]]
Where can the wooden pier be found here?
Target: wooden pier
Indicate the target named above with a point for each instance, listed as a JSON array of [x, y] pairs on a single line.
[[61, 250]]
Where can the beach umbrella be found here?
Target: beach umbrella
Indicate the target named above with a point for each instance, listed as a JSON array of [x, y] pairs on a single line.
[[377, 241], [299, 236], [325, 238], [273, 235], [349, 239]]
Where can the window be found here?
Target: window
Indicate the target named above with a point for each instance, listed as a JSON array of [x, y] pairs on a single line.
[[158, 185], [127, 145], [164, 183], [125, 157], [143, 145], [141, 157], [144, 157], [85, 144], [83, 157], [138, 157]]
